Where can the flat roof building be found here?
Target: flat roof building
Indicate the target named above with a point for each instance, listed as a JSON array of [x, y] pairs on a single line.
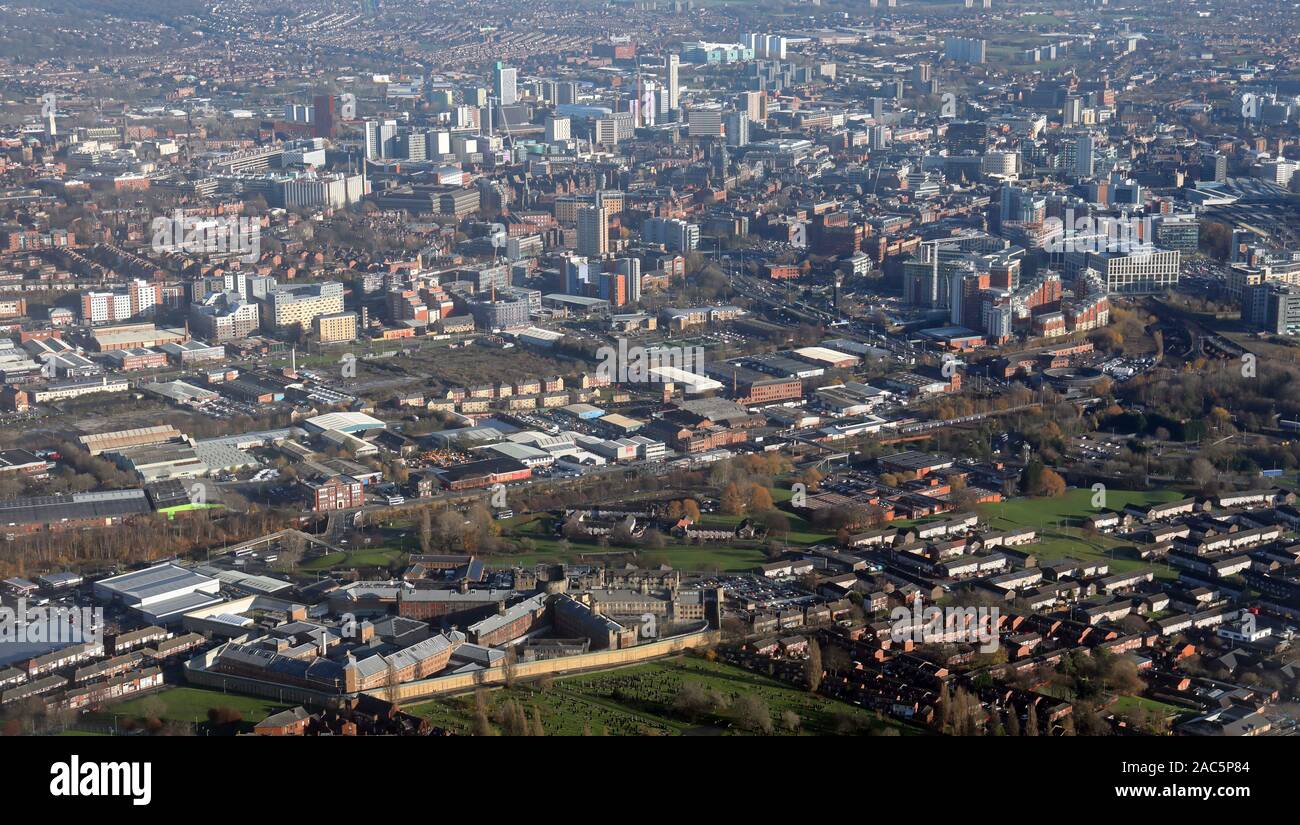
[[345, 422], [162, 593], [73, 509]]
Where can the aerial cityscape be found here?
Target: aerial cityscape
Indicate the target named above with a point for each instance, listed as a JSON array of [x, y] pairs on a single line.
[[649, 368]]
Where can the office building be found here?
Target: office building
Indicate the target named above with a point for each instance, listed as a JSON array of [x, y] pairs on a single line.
[[965, 49], [1181, 232], [672, 65], [753, 104], [1001, 164], [335, 327], [334, 191], [510, 310], [1142, 270], [630, 268], [324, 116], [1072, 111], [381, 139], [504, 85], [593, 231], [557, 129], [1272, 307], [577, 274], [412, 145], [1084, 156], [290, 308], [704, 121], [136, 300], [737, 129], [224, 316], [613, 128], [674, 235]]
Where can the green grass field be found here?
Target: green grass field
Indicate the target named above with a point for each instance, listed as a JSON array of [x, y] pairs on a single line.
[[1058, 520], [638, 700], [190, 704], [740, 556], [1128, 704], [369, 557], [1072, 507], [537, 530]]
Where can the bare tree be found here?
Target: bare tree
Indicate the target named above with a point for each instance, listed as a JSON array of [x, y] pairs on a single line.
[[813, 667], [509, 666], [752, 714], [426, 531], [482, 726]]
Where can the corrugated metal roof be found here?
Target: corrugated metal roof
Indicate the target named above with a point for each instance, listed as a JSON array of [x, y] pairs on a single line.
[[76, 507], [153, 581]]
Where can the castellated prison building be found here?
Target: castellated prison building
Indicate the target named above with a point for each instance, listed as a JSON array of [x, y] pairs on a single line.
[[575, 618], [282, 661], [381, 635]]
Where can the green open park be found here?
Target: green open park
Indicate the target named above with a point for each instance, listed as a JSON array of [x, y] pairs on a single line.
[[531, 538], [382, 556], [644, 699], [1071, 508], [190, 704], [1059, 523], [535, 534]]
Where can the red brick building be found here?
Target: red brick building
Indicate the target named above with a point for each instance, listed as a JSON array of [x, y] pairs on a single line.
[[484, 473], [338, 492]]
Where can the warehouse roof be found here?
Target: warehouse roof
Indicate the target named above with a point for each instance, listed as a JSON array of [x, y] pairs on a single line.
[[246, 582], [345, 422], [180, 391], [72, 507], [519, 452], [219, 456], [621, 421], [479, 469], [153, 581], [169, 609], [96, 443], [826, 355], [20, 460]]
